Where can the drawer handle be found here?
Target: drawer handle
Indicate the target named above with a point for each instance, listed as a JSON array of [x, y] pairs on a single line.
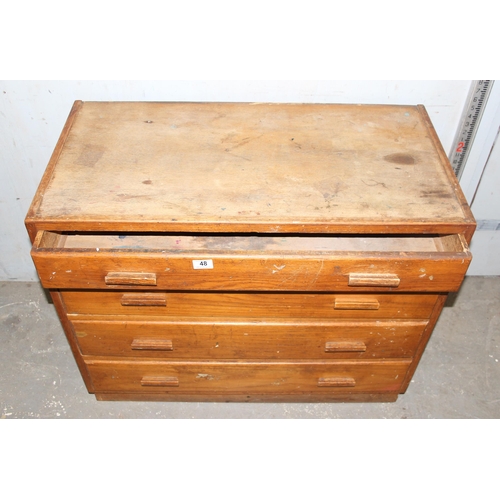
[[130, 279], [356, 304], [152, 345], [345, 346], [144, 299], [360, 279], [152, 381], [336, 382]]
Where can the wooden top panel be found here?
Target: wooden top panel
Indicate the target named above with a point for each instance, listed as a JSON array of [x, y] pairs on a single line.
[[249, 164]]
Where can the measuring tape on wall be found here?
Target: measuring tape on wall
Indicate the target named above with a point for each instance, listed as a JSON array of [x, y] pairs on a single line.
[[469, 123]]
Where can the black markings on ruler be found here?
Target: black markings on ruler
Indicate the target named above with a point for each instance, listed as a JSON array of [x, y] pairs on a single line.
[[469, 123]]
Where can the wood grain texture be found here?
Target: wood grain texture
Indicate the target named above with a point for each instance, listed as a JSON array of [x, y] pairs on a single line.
[[347, 346], [253, 305], [229, 274], [249, 244], [333, 234], [211, 338], [153, 381], [241, 269], [72, 339], [138, 344], [33, 212], [424, 340], [452, 178], [354, 303], [130, 278], [239, 163], [317, 397], [336, 382], [247, 377], [372, 279], [144, 299], [332, 226]]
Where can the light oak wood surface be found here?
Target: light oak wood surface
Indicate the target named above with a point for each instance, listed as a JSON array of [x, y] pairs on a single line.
[[248, 377], [287, 268], [231, 166], [254, 305], [223, 338], [249, 251]]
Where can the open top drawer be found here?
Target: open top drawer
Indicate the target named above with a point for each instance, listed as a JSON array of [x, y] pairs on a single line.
[[245, 262]]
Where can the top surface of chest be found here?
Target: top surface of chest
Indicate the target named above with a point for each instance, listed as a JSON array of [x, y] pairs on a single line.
[[269, 166]]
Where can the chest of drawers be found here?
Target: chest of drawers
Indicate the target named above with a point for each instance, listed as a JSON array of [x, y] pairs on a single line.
[[248, 251]]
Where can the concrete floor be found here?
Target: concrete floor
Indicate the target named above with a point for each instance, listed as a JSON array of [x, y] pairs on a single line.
[[458, 377]]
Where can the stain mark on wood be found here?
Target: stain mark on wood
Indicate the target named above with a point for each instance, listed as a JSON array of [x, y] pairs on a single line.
[[400, 158], [435, 194], [90, 156]]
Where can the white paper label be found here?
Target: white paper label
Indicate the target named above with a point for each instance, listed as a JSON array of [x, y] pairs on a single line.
[[203, 264]]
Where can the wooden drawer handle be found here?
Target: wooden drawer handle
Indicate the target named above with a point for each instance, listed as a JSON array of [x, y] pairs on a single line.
[[152, 381], [152, 345], [356, 304], [144, 299], [336, 382], [361, 279], [130, 279], [345, 346]]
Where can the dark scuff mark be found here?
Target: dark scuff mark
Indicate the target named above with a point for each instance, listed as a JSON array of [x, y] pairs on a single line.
[[373, 183], [435, 194], [401, 159]]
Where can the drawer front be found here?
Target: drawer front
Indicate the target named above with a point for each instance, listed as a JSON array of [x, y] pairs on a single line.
[[251, 340], [247, 378], [250, 305], [297, 264]]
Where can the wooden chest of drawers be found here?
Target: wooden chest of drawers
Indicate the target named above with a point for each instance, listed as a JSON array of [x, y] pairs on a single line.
[[249, 252]]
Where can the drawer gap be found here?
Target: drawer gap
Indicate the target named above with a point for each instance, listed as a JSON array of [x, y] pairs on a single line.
[[264, 243]]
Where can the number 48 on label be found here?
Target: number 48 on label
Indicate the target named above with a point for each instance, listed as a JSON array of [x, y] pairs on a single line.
[[203, 264]]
